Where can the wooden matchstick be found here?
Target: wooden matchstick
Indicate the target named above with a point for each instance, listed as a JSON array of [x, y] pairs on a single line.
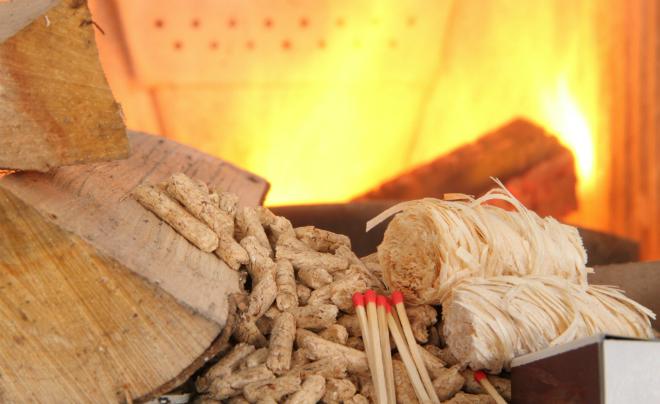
[[358, 303], [488, 386], [396, 316], [397, 299], [374, 341], [381, 303], [408, 362]]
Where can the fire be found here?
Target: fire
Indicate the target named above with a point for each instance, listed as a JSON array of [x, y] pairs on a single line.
[[570, 124], [489, 64]]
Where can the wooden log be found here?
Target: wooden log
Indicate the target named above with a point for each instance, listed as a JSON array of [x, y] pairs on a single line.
[[505, 153], [76, 251], [55, 105], [78, 326], [547, 188], [94, 202]]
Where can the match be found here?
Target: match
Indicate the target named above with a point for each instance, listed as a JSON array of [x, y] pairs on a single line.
[[374, 341], [481, 377], [397, 299], [381, 303], [358, 303], [402, 347]]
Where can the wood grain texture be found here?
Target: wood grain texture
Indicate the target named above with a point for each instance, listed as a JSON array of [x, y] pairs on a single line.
[[81, 322], [93, 202], [55, 105], [77, 326]]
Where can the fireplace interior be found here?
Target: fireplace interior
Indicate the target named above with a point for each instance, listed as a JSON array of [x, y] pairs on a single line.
[[332, 101]]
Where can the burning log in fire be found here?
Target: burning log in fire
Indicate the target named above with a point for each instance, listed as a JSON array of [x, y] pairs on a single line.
[[532, 164]]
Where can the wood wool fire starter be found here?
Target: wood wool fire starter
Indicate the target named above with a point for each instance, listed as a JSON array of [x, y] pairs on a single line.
[[489, 321], [431, 244]]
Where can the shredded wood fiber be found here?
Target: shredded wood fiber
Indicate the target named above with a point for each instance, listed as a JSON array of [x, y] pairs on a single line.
[[489, 321], [431, 244]]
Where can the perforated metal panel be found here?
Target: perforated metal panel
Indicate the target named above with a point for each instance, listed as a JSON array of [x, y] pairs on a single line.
[[217, 41]]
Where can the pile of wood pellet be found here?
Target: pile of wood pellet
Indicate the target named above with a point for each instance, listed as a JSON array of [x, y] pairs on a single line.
[[297, 338]]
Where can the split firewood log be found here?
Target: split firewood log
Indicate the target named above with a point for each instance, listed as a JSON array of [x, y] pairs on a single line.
[[56, 107], [142, 293]]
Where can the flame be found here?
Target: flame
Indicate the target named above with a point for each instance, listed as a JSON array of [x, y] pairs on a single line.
[[330, 142], [570, 124]]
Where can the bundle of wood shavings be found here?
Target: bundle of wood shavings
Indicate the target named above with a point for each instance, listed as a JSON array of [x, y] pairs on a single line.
[[432, 244], [297, 338], [489, 321], [509, 282]]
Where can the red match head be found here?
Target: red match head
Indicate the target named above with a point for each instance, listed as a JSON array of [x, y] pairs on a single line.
[[479, 375], [397, 297], [370, 296], [358, 299], [388, 308], [381, 301]]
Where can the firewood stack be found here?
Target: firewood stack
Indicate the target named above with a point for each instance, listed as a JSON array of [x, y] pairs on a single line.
[[95, 307], [296, 338]]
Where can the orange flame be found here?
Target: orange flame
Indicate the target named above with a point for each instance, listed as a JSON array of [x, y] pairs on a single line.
[[494, 63], [570, 125]]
